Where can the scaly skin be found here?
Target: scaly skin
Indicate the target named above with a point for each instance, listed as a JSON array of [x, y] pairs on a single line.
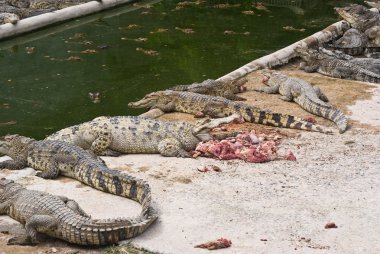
[[169, 101], [359, 16], [353, 42], [55, 158], [132, 134], [315, 61], [226, 89], [309, 97], [8, 18]]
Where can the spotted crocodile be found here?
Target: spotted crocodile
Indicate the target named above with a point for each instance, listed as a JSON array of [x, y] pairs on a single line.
[[309, 97], [55, 158], [315, 61], [227, 89], [192, 103], [132, 134], [62, 218]]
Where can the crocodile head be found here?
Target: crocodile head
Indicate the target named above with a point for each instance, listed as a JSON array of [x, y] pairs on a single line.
[[10, 18], [202, 127], [13, 145], [308, 54], [150, 100], [239, 85], [8, 189], [273, 78]]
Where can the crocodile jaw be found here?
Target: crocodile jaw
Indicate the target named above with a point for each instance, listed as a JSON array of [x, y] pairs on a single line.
[[143, 103]]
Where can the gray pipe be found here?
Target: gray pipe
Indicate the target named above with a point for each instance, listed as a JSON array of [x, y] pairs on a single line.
[[36, 22]]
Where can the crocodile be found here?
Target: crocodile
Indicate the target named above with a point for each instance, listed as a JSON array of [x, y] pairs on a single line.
[[370, 64], [132, 134], [353, 42], [309, 97], [53, 158], [315, 61], [6, 17], [61, 217], [192, 103], [359, 16], [226, 89]]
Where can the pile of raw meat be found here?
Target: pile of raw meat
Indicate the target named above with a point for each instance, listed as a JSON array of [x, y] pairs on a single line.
[[247, 146]]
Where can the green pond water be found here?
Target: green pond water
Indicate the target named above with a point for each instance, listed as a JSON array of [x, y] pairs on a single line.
[[130, 51]]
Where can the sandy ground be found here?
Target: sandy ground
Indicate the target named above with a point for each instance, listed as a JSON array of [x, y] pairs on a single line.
[[275, 207]]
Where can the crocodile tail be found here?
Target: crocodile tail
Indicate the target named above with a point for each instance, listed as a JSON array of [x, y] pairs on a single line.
[[180, 88], [103, 232], [325, 111], [120, 184], [255, 115]]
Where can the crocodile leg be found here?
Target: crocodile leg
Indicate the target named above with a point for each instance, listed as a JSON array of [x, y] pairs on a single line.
[[308, 68], [52, 170], [320, 94], [36, 223], [102, 141], [13, 164], [267, 89], [73, 205], [233, 97], [171, 147], [4, 207], [169, 107]]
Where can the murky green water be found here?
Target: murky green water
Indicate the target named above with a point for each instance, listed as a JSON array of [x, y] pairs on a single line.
[[123, 54]]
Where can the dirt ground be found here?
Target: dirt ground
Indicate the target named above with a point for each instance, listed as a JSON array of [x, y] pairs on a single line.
[[276, 207]]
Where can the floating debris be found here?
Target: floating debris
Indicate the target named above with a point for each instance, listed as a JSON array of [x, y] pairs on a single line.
[[87, 51], [145, 13], [248, 12], [78, 36], [229, 32], [72, 59], [140, 39], [8, 123], [260, 6], [292, 29], [185, 30], [148, 52], [133, 26], [160, 30], [103, 46], [226, 6]]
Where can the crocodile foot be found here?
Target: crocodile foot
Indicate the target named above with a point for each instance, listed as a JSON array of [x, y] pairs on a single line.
[[21, 240]]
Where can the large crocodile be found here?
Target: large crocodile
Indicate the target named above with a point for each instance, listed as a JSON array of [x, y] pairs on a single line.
[[315, 61], [55, 158], [309, 97], [192, 103], [60, 217], [133, 134], [370, 64], [223, 88]]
